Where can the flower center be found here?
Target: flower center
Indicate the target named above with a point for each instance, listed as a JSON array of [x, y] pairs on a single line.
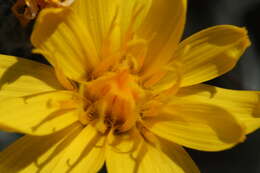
[[113, 101]]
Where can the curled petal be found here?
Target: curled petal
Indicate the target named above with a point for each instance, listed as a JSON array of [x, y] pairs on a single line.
[[211, 53], [243, 105], [197, 125]]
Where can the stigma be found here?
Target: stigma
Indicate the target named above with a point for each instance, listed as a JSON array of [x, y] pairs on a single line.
[[113, 101]]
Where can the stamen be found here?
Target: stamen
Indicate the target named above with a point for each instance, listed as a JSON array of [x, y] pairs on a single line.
[[128, 123], [113, 23], [114, 140], [153, 79], [86, 109], [175, 67], [148, 136], [101, 126], [137, 50], [173, 90], [81, 89], [73, 102], [136, 12], [159, 83], [109, 56], [64, 81], [151, 108], [85, 116]]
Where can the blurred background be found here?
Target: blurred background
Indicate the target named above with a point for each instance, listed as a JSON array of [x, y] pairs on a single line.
[[245, 157]]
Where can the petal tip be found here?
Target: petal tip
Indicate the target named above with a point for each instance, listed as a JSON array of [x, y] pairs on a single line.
[[48, 19], [246, 40]]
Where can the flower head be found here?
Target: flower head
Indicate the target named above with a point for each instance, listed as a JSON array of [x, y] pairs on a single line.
[[26, 10], [127, 92]]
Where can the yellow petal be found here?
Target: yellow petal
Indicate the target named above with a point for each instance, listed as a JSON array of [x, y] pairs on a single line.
[[211, 53], [85, 153], [20, 77], [196, 125], [76, 39], [66, 43], [179, 156], [98, 16], [163, 26], [142, 158], [39, 114], [244, 105], [34, 154]]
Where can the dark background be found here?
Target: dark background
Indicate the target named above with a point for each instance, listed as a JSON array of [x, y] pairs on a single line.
[[244, 158]]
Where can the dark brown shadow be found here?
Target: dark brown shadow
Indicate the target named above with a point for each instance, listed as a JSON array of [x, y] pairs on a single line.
[[225, 130], [85, 152], [50, 117], [186, 91], [36, 146], [256, 110], [36, 70]]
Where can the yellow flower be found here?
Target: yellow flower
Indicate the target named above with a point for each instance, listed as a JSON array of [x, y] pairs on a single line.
[[129, 93], [26, 10]]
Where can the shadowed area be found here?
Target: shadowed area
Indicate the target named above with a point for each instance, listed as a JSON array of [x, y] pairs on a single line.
[[20, 77], [36, 147]]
